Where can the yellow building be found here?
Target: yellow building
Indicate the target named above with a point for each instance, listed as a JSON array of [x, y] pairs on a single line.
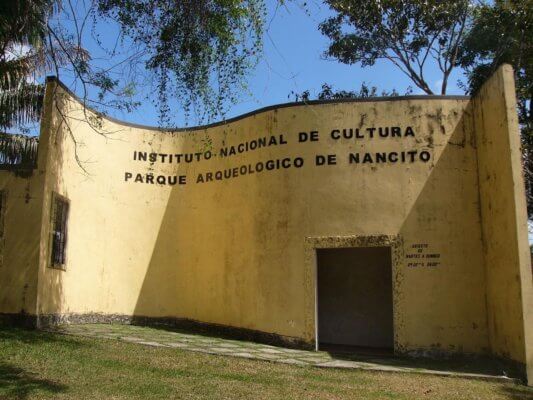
[[396, 223]]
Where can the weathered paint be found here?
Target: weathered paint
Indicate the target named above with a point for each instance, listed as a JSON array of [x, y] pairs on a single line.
[[241, 252], [504, 226]]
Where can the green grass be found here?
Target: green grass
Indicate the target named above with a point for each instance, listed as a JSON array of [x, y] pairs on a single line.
[[43, 365]]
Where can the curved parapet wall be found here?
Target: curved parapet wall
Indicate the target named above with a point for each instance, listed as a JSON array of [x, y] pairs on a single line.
[[212, 224], [220, 224]]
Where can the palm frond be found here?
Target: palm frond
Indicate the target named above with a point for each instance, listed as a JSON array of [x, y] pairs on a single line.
[[18, 150], [24, 21], [13, 72], [21, 105]]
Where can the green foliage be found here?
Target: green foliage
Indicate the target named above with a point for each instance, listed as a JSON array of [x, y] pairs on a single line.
[[407, 33], [18, 150], [22, 23], [328, 93], [502, 32], [21, 105], [195, 52], [199, 50]]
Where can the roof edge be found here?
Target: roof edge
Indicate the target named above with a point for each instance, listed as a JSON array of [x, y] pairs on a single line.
[[259, 110]]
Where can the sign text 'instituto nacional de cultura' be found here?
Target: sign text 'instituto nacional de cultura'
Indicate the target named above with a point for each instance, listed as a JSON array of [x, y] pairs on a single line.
[[394, 223]]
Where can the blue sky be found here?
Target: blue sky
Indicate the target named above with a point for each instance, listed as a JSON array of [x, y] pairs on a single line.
[[292, 61]]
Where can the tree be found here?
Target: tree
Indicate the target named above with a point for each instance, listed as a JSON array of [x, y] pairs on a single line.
[[364, 92], [502, 32], [200, 50], [409, 34], [22, 34], [197, 52]]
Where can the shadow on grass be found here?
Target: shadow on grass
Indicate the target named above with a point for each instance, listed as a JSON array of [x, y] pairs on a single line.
[[10, 334], [518, 392], [16, 383], [456, 363]]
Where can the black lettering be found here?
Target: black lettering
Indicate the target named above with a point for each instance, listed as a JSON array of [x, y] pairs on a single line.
[[367, 158], [425, 155], [320, 160], [354, 158], [298, 162], [381, 157], [396, 131]]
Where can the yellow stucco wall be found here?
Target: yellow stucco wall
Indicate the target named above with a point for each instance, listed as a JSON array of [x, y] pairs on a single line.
[[232, 252], [503, 211], [20, 245], [23, 194], [240, 251]]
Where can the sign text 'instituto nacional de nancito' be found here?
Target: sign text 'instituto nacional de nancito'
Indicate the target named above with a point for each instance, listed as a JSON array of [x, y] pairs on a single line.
[[395, 223]]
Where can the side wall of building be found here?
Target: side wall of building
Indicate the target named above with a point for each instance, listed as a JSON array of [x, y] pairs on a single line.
[[21, 240], [504, 221]]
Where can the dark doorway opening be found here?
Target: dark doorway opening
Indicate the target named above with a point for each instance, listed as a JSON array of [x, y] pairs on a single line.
[[354, 289]]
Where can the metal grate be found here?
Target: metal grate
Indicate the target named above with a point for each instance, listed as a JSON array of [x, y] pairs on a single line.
[[18, 151], [59, 231]]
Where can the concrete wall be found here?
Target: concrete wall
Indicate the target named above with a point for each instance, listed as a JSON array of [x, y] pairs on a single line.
[[20, 245], [231, 252], [504, 221], [23, 192], [237, 252]]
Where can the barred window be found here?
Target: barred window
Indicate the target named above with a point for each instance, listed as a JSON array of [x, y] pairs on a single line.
[[60, 208]]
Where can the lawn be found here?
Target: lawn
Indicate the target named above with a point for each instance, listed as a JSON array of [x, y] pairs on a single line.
[[43, 365]]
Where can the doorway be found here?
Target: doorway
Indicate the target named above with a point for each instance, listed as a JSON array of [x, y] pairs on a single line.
[[354, 299]]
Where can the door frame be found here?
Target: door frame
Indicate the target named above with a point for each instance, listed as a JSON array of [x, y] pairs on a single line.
[[334, 242]]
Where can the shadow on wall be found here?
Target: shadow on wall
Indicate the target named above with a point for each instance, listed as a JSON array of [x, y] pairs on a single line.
[[220, 283], [453, 309], [451, 279], [51, 279]]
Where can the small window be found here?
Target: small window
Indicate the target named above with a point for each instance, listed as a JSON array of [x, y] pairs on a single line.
[[60, 208]]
